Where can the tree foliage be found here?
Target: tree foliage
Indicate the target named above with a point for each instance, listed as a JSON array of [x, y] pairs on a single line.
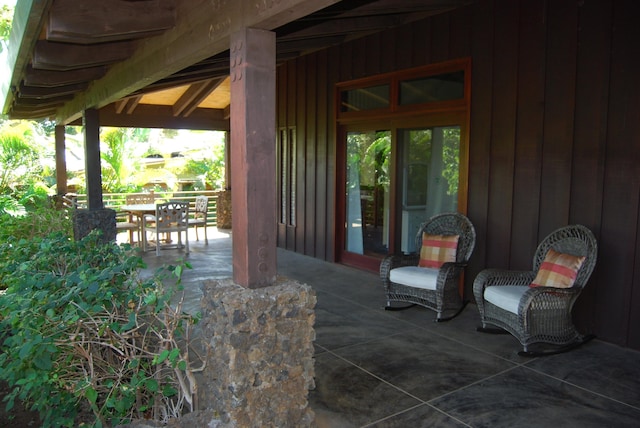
[[6, 18], [18, 161]]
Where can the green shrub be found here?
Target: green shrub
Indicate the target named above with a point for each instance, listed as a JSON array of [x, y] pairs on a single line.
[[38, 223], [84, 334]]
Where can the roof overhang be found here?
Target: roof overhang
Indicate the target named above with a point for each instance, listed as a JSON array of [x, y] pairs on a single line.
[[165, 63]]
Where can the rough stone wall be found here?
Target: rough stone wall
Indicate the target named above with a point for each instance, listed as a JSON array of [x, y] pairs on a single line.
[[84, 221], [260, 365], [223, 209]]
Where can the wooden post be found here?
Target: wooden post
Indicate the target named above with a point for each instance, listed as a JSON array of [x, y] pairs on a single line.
[[253, 195], [61, 161], [92, 168]]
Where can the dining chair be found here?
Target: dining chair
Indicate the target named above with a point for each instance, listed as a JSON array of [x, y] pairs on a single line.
[[200, 216], [169, 217]]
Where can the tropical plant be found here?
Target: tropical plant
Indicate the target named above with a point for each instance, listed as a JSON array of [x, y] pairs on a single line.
[[19, 161], [116, 160]]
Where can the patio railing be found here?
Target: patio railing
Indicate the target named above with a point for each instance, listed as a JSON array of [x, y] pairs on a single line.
[[116, 200]]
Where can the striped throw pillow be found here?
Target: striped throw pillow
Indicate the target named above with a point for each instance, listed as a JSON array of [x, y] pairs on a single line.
[[437, 250], [558, 270]]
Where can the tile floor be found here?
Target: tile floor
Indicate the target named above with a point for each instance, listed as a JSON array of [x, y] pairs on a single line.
[[400, 369]]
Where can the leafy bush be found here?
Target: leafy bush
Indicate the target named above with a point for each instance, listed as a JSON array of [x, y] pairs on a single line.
[[84, 334], [41, 220]]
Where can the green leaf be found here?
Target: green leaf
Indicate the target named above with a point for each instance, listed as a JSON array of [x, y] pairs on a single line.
[[43, 362], [131, 323], [151, 385], [91, 394], [169, 391], [182, 365], [173, 356], [161, 357]]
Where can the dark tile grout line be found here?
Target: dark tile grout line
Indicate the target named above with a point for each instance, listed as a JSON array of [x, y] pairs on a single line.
[[580, 387]]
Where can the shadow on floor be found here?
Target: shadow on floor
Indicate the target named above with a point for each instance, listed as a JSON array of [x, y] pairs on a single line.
[[376, 368]]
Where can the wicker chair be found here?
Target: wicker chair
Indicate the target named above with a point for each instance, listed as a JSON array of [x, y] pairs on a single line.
[[170, 217], [433, 288], [537, 314]]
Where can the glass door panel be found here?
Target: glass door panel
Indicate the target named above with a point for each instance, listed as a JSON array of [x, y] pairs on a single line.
[[367, 193], [430, 159]]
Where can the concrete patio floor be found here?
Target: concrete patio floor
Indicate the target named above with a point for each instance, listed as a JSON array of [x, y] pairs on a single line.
[[376, 368]]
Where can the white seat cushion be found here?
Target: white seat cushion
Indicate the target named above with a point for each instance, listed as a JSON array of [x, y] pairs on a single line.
[[415, 276], [506, 297]]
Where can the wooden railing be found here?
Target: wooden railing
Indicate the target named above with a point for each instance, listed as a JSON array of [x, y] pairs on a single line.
[[116, 200]]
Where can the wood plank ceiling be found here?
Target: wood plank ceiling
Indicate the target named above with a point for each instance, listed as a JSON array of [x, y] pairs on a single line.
[[76, 44]]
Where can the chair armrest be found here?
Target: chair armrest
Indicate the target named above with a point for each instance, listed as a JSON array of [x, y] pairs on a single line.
[[451, 269], [395, 261], [547, 298], [493, 277]]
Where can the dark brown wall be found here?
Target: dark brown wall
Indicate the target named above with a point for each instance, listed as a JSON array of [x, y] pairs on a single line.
[[554, 137]]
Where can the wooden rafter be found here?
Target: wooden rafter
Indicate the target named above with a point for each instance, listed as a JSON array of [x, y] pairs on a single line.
[[202, 29], [99, 21], [66, 56], [196, 93]]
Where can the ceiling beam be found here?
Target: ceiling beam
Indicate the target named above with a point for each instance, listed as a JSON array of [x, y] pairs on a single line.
[[52, 78], [157, 116], [193, 96], [99, 21], [48, 93], [65, 56], [202, 29]]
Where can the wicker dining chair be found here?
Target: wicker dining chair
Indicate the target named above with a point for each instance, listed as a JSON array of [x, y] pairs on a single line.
[[535, 306], [431, 276]]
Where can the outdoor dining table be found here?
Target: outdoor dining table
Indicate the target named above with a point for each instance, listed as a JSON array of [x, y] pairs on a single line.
[[139, 211]]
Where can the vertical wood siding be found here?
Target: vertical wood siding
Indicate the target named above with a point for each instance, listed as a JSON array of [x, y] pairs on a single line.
[[554, 135]]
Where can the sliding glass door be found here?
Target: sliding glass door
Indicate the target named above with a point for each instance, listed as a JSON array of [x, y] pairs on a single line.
[[395, 179], [402, 152]]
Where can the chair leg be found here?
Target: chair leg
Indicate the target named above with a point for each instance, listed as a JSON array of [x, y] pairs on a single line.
[[197, 237], [559, 350], [398, 308], [206, 239], [440, 319]]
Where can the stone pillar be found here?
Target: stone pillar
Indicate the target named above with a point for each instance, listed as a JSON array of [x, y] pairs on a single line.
[[223, 209], [84, 221], [253, 157], [260, 361]]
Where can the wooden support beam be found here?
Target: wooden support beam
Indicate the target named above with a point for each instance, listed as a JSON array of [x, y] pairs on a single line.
[[133, 103], [92, 168], [253, 158], [61, 161], [202, 30], [66, 56], [99, 21], [157, 116]]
